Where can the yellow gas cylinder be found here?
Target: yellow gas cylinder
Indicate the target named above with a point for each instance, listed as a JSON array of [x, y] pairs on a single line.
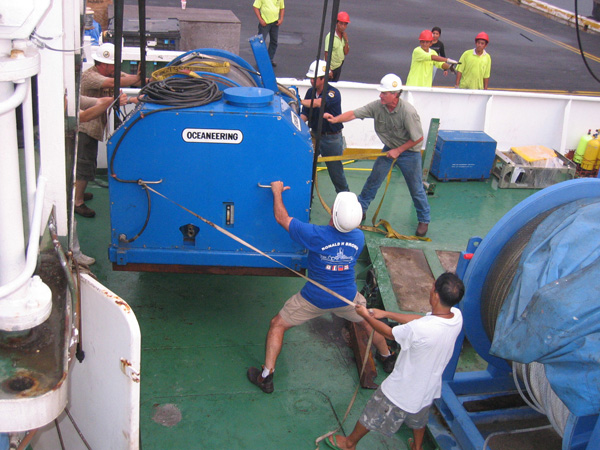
[[578, 156], [591, 154]]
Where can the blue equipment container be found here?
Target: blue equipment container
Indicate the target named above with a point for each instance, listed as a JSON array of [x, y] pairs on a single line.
[[463, 155], [212, 160]]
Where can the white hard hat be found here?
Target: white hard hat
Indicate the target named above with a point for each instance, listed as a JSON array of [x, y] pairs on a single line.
[[346, 212], [105, 53], [390, 83], [313, 67]]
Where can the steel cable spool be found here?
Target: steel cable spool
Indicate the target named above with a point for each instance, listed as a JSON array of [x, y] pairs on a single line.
[[495, 291], [499, 279]]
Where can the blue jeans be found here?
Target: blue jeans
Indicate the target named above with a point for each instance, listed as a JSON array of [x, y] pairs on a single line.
[[333, 145], [271, 30], [409, 164]]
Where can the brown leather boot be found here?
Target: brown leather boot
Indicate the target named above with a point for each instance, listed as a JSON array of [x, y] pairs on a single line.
[[421, 229]]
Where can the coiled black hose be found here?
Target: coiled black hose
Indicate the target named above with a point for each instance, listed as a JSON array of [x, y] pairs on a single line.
[[177, 93], [181, 92]]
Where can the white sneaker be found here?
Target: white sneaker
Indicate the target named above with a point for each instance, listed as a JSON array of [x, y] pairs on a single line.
[[84, 259]]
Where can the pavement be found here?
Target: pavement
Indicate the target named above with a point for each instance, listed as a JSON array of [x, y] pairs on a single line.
[[564, 11], [532, 48]]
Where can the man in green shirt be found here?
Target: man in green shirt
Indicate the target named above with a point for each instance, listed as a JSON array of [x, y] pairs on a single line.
[[423, 60], [398, 125], [341, 46], [475, 65], [270, 15]]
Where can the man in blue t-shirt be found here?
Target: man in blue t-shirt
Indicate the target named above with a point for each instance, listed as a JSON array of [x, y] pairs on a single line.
[[333, 250]]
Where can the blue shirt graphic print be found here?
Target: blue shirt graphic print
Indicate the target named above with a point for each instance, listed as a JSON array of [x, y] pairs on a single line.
[[332, 256]]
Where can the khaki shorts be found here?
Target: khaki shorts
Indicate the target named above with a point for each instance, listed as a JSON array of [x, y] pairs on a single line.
[[297, 310], [381, 415]]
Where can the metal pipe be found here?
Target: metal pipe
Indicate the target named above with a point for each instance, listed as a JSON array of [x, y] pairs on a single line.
[[17, 97], [29, 148], [12, 241], [34, 243]]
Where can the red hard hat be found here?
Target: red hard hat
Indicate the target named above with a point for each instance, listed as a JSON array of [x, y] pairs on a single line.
[[426, 35], [483, 36], [343, 17]]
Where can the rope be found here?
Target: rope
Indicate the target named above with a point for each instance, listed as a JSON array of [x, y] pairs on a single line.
[[349, 408], [250, 246]]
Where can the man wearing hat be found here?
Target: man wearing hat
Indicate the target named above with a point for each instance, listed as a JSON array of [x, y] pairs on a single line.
[[98, 81], [331, 142], [424, 58], [341, 46], [476, 65], [333, 250], [398, 125]]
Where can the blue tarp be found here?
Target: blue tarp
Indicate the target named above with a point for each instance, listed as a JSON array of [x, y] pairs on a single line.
[[552, 312]]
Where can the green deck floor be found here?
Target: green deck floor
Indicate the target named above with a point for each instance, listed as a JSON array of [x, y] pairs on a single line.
[[201, 332]]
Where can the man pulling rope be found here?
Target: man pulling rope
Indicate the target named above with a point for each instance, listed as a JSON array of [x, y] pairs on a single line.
[[333, 250]]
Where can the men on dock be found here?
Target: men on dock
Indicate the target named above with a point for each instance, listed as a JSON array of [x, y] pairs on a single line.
[[427, 344], [423, 60], [341, 46], [331, 141], [398, 125], [475, 65], [270, 15], [333, 250], [97, 81]]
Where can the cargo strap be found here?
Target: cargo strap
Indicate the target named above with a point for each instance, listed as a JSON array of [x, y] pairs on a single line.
[[250, 246], [387, 228], [201, 66]]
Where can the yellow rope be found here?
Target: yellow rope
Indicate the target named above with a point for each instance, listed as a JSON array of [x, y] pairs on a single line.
[[191, 69]]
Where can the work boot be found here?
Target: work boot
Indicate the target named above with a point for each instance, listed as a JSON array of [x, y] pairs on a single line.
[[84, 259], [421, 229], [387, 362], [84, 211], [255, 377]]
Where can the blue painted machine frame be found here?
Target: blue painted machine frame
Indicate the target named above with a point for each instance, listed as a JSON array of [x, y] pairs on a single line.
[[581, 433]]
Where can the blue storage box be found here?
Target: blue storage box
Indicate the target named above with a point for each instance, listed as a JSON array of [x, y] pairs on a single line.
[[463, 155]]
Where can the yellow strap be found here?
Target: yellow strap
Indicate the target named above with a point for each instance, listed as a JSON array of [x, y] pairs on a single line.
[[221, 67], [367, 155], [388, 230], [250, 246]]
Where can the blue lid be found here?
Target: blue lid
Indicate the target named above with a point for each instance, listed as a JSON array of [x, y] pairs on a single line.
[[252, 97]]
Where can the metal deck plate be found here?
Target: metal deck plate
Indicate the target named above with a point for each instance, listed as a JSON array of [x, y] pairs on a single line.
[[411, 277]]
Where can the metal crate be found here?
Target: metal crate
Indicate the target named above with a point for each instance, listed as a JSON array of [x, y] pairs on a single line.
[[514, 175]]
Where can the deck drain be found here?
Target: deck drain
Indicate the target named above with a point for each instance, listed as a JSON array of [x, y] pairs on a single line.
[[167, 415], [19, 383]]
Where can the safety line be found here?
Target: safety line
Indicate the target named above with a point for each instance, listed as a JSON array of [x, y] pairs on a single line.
[[530, 30]]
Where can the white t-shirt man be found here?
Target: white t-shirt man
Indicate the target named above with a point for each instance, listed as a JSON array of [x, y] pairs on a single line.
[[426, 345]]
